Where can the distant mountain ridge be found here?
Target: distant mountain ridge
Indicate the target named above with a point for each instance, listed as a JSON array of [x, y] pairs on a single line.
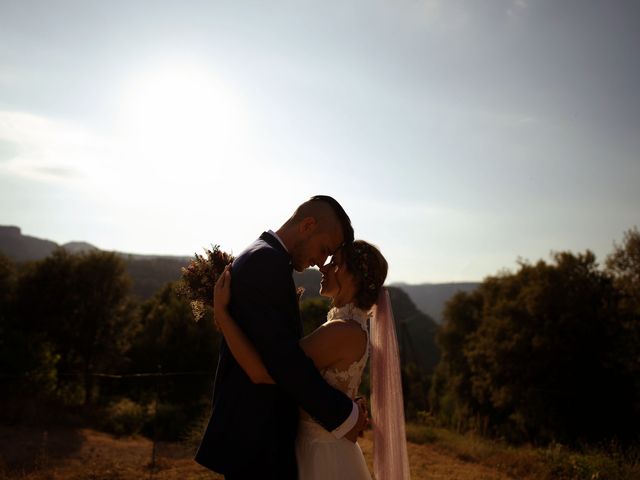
[[22, 248], [79, 247], [148, 272], [432, 297], [151, 272]]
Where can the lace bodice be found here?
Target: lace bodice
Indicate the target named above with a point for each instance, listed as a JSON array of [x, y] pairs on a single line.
[[348, 381]]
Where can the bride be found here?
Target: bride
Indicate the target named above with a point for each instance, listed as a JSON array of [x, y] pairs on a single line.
[[340, 348]]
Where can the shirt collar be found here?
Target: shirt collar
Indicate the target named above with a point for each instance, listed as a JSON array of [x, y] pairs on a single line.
[[275, 235]]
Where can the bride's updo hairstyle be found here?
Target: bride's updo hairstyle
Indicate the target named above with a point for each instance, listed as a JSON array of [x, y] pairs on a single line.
[[369, 269]]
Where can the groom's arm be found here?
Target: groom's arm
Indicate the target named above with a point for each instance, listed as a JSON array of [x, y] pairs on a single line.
[[261, 302]]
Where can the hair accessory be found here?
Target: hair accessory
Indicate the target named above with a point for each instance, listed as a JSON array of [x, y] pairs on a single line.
[[362, 260]]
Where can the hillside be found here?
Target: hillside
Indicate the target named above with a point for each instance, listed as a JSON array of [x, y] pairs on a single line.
[[411, 303], [431, 297], [416, 331], [22, 248], [148, 272]]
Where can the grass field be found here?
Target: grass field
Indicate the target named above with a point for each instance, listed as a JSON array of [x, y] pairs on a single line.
[[30, 453]]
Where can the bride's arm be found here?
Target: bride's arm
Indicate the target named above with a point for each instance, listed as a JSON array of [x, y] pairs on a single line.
[[241, 347], [325, 346]]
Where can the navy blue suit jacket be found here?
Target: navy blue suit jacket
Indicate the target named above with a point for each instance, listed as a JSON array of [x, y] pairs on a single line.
[[253, 426]]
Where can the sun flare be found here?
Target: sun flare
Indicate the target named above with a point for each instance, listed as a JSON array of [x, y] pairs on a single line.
[[182, 113]]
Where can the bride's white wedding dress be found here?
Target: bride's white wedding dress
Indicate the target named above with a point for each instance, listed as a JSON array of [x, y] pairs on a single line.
[[320, 454]]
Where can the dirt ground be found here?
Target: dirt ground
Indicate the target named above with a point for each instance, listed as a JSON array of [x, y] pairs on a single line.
[[85, 454]]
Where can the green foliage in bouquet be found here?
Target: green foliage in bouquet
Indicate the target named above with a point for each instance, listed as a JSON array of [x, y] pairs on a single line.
[[199, 278]]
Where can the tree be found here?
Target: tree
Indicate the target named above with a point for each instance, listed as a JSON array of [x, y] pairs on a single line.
[[623, 264], [26, 356], [7, 283], [80, 304], [169, 336], [450, 394], [539, 357], [536, 355]]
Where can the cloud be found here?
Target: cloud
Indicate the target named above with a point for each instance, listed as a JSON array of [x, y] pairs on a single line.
[[43, 148], [8, 150], [61, 172]]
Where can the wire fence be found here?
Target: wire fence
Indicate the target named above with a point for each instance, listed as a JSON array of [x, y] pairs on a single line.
[[113, 375], [157, 391]]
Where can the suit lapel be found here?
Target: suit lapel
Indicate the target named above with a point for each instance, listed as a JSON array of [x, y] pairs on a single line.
[[275, 243]]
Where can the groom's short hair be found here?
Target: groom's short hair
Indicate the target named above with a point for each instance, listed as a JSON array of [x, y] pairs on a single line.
[[341, 215], [310, 208]]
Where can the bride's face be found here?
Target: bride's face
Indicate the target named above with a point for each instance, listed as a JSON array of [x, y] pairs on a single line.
[[337, 282]]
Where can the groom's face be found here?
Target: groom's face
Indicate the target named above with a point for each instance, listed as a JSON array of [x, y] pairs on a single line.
[[315, 249]]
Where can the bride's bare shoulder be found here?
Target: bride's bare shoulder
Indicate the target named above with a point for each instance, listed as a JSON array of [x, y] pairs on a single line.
[[334, 342], [346, 334], [342, 327]]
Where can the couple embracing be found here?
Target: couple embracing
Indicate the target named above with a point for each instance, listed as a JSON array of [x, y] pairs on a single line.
[[284, 406]]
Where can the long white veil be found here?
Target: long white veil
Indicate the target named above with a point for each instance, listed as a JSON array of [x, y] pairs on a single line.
[[390, 458]]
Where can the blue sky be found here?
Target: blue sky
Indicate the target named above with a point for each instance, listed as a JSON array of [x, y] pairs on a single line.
[[459, 136]]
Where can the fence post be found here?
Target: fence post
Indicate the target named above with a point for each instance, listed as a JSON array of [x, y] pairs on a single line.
[[155, 422]]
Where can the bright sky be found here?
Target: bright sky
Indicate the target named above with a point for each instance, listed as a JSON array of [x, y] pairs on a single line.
[[458, 135]]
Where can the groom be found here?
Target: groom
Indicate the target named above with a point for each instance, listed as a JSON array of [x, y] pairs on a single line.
[[252, 430]]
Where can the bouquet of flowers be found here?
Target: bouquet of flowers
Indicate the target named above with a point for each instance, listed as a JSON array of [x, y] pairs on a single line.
[[199, 278]]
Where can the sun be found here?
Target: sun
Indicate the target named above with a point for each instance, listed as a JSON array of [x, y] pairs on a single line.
[[182, 113]]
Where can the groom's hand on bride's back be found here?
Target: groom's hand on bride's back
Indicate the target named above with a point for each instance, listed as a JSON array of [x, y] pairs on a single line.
[[362, 403], [361, 424]]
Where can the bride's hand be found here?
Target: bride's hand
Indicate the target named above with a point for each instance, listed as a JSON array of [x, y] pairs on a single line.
[[222, 296]]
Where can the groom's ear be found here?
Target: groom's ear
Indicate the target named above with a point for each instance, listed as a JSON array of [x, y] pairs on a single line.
[[307, 226]]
